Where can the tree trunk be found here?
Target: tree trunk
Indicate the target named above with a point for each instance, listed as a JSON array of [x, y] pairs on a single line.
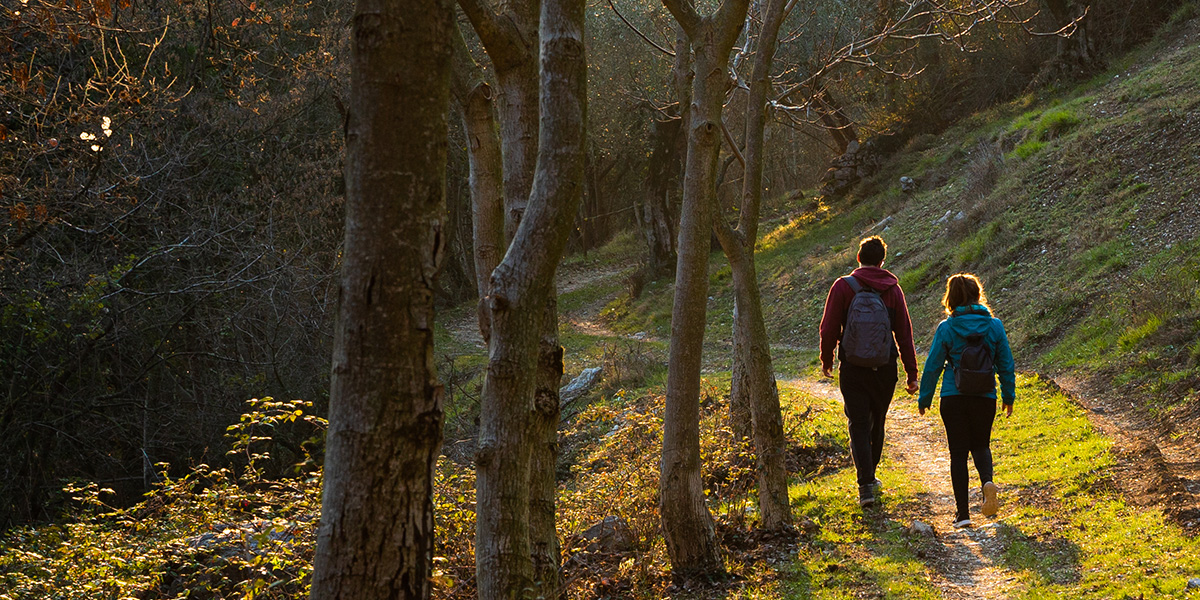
[[740, 421], [840, 127], [656, 219], [753, 387], [1074, 52], [385, 417], [687, 524], [511, 501], [459, 241], [543, 486], [474, 98], [754, 353], [519, 136]]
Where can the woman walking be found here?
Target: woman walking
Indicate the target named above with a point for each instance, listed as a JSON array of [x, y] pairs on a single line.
[[975, 346]]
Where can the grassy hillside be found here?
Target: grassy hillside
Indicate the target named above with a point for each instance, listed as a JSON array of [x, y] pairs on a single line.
[[1076, 206]]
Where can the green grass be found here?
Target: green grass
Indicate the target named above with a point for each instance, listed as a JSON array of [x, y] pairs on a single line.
[[1134, 335], [1104, 258], [1028, 148], [1067, 532], [1027, 119], [850, 553], [1054, 124], [974, 247]]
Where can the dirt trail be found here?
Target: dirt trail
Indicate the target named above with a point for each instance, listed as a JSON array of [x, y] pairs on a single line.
[[465, 328], [966, 561], [1119, 417]]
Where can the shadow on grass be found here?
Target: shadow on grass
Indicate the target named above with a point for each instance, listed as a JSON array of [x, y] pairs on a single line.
[[1051, 559]]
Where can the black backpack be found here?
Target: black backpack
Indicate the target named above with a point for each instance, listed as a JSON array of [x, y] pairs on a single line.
[[867, 337], [975, 374]]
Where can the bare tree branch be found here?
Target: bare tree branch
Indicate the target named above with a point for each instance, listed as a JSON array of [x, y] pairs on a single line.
[[638, 31], [733, 147], [501, 38], [685, 14]]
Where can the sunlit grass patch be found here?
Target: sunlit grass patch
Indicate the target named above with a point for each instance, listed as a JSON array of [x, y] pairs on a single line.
[[855, 552], [577, 299], [1054, 124], [848, 552], [618, 250], [1048, 438], [1066, 532], [1028, 148]]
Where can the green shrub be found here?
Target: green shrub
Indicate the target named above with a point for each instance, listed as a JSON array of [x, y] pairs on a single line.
[[1025, 120], [1054, 124], [1028, 148]]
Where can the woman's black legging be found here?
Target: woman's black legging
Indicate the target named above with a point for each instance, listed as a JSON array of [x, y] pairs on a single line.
[[968, 421]]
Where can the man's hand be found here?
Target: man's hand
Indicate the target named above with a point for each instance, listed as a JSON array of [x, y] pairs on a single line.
[[912, 387], [1008, 410], [827, 371], [921, 410]]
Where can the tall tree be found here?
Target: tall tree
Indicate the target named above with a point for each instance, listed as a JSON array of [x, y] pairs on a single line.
[[1074, 46], [753, 376], [516, 545], [510, 39], [687, 524], [474, 99], [385, 417]]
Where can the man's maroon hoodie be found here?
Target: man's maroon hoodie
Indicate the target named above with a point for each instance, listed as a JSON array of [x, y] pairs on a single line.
[[838, 303]]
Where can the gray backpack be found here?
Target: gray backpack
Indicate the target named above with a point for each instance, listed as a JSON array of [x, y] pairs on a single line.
[[867, 338], [975, 373]]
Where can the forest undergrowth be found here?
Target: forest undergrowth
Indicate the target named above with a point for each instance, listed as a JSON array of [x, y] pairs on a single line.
[[1075, 206]]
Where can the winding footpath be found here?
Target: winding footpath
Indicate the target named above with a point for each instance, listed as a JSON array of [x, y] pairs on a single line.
[[965, 563]]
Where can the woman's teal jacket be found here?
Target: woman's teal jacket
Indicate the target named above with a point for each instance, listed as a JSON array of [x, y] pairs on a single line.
[[949, 342]]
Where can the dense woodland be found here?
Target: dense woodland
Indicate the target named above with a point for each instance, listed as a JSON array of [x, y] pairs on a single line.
[[191, 194]]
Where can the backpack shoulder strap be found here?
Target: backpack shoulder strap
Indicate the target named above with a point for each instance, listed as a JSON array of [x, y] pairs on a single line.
[[853, 283]]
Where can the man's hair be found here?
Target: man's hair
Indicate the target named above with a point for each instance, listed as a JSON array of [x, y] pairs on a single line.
[[872, 251]]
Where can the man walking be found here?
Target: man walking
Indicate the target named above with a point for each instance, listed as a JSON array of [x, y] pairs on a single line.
[[866, 318]]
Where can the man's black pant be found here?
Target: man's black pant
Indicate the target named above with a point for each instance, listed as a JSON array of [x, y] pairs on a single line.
[[867, 393], [968, 422]]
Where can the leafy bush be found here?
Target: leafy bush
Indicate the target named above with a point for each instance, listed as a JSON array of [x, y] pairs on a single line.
[[1028, 148], [1054, 124], [209, 534]]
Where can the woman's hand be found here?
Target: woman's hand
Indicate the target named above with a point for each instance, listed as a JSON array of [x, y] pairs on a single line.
[[921, 410], [1008, 410]]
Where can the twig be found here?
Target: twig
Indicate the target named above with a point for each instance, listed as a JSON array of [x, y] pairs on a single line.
[[638, 31]]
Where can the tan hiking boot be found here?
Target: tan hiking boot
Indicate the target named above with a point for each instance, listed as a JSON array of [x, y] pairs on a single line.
[[990, 503]]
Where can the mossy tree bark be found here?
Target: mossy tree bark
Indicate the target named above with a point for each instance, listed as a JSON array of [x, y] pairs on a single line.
[[385, 418], [687, 523]]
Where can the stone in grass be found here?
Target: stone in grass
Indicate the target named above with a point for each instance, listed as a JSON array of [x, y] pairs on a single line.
[[1193, 583], [921, 528], [612, 535], [580, 385]]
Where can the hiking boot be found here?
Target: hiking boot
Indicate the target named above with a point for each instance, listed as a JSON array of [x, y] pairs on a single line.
[[961, 522], [990, 503], [866, 495]]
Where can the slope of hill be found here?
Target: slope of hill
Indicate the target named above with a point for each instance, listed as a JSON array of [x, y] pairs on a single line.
[[1077, 208]]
